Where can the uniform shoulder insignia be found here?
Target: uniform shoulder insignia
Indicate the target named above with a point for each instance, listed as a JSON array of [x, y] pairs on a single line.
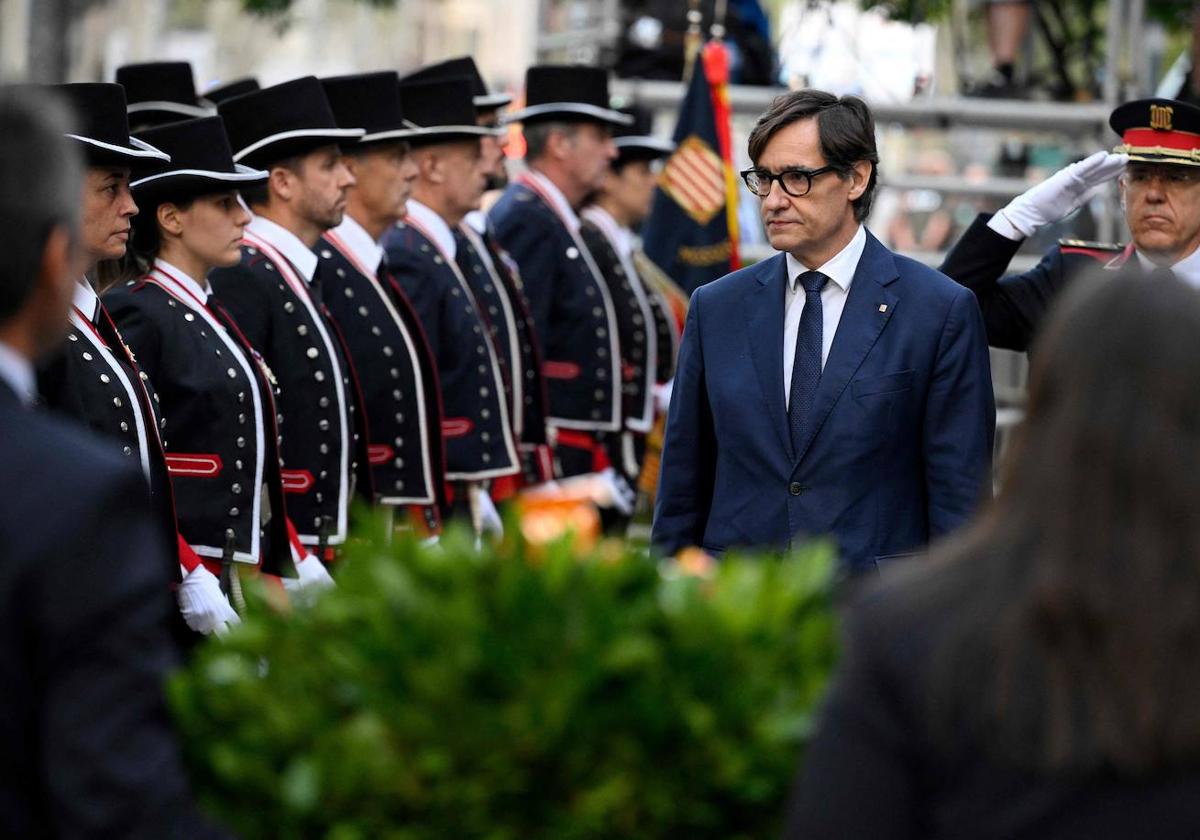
[[1084, 245]]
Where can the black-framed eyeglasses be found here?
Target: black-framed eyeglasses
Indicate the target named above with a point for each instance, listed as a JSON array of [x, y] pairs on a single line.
[[795, 181]]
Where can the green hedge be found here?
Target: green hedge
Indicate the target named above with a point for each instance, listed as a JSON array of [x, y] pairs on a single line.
[[514, 694]]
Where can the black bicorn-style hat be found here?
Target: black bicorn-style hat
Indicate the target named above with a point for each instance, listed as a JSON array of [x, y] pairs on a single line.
[[442, 110], [218, 93], [100, 124], [637, 141], [1158, 131], [160, 92], [277, 122], [370, 101], [201, 163], [568, 93], [453, 68]]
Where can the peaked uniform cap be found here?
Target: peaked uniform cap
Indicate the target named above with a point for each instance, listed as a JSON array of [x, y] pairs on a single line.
[[219, 93], [1158, 131], [101, 125], [160, 92], [269, 125], [443, 110], [201, 163], [637, 141], [568, 93], [370, 101], [453, 68]]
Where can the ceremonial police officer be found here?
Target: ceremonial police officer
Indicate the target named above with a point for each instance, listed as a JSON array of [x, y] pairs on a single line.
[[567, 124], [277, 301], [1158, 161], [423, 254], [622, 202], [397, 369], [160, 92], [496, 283]]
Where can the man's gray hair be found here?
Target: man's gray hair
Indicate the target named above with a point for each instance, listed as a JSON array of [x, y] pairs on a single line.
[[40, 180], [538, 135]]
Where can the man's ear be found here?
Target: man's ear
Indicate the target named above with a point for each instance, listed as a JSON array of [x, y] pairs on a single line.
[[431, 166], [860, 177], [282, 182], [558, 145], [352, 165]]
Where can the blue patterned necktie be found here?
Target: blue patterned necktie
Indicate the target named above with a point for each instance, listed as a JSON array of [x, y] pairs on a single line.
[[806, 367]]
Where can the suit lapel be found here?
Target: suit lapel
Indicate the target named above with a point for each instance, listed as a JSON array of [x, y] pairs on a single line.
[[763, 305], [869, 306]]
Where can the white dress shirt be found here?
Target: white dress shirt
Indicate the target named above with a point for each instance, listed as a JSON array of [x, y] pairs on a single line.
[[840, 271], [443, 237], [564, 208], [17, 373], [1187, 269], [362, 247], [286, 243]]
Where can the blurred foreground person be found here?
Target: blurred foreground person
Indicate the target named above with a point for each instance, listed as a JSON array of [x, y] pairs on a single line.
[[85, 745], [1038, 678]]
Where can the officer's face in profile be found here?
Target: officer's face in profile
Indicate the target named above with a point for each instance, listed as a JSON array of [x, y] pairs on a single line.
[[590, 153], [209, 229], [107, 209], [462, 175], [384, 174], [1162, 207], [318, 187], [631, 190], [809, 225]]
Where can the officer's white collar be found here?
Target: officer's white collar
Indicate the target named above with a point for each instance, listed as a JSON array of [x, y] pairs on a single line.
[[86, 300], [200, 289], [1187, 269], [620, 236], [17, 372], [286, 243], [365, 250], [443, 237], [565, 211], [477, 221]]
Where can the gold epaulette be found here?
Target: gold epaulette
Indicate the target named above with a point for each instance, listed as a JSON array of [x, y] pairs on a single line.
[[1091, 246]]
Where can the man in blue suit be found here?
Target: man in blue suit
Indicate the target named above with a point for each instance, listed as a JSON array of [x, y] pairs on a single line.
[[835, 389]]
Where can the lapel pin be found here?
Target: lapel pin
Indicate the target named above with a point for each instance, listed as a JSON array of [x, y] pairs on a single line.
[[883, 307]]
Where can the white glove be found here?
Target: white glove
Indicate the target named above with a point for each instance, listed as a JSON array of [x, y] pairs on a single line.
[[1062, 193], [313, 578], [621, 495], [202, 603], [489, 517]]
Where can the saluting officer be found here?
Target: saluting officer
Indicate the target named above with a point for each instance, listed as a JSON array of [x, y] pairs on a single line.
[[223, 451], [607, 228], [94, 377], [568, 136], [423, 252], [277, 302], [496, 282], [160, 92], [1158, 161], [396, 367]]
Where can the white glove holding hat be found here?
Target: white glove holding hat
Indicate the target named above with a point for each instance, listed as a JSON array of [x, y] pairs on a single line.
[[1058, 196], [202, 603]]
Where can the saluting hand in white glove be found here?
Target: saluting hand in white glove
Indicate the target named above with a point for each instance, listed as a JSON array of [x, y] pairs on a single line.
[[1059, 195], [202, 603]]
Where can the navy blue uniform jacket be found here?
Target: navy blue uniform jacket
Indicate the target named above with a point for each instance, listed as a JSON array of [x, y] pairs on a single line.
[[899, 447]]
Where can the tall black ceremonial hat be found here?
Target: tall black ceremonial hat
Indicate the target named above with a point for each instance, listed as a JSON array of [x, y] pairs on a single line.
[[219, 93], [463, 66], [101, 125], [201, 163], [274, 123], [370, 101], [567, 92], [443, 110], [637, 141], [160, 92], [1158, 131]]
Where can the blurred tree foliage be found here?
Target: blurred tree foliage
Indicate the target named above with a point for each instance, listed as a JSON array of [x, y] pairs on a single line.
[[516, 693]]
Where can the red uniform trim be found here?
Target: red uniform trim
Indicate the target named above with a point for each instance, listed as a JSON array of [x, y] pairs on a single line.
[[297, 481], [194, 465], [1184, 141], [380, 453], [453, 427], [560, 370], [582, 440]]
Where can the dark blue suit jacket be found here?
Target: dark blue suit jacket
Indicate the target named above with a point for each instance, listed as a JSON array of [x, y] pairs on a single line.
[[899, 447]]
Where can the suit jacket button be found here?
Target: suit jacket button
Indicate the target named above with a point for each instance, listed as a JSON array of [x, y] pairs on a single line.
[[795, 488]]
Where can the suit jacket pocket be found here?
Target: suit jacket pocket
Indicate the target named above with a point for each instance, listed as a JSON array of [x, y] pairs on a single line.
[[887, 384]]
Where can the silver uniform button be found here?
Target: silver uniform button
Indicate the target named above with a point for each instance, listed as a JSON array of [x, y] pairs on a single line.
[[104, 378], [319, 376], [232, 373], [323, 425], [572, 253], [348, 292], [87, 356], [324, 448], [117, 402], [188, 316], [312, 352], [124, 426], [302, 330], [237, 488], [233, 511], [241, 443], [323, 402]]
